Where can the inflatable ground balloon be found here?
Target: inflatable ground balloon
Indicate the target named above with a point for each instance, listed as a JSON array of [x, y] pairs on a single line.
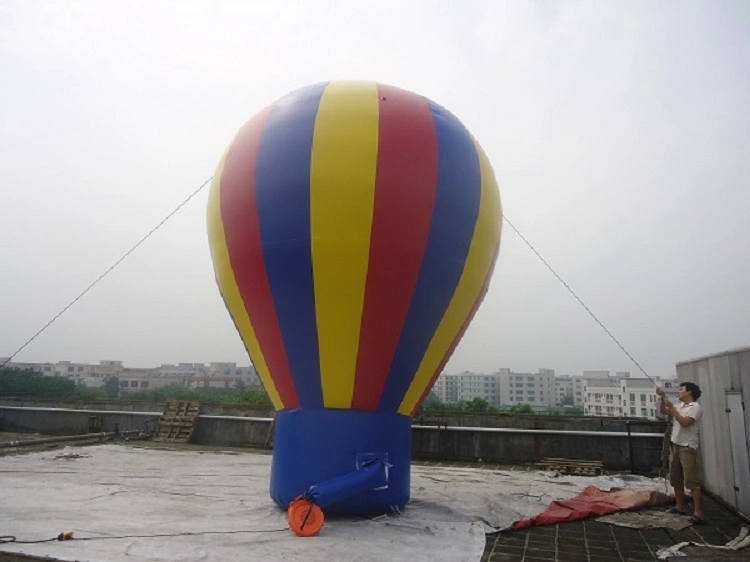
[[353, 228]]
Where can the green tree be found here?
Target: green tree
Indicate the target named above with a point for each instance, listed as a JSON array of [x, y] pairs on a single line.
[[112, 387], [478, 405], [574, 411], [432, 403], [255, 397], [169, 392], [84, 392], [431, 398], [15, 382], [520, 408], [29, 383]]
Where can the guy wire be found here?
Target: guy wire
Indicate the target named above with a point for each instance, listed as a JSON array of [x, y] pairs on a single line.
[[586, 308], [103, 275]]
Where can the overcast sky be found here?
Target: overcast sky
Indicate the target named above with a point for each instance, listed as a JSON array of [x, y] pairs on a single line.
[[619, 133]]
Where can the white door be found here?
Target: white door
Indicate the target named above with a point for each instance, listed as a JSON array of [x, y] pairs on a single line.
[[735, 410]]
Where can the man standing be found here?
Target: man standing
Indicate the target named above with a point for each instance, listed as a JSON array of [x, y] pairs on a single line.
[[683, 450]]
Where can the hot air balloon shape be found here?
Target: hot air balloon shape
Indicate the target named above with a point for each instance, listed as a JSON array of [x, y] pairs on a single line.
[[353, 228]]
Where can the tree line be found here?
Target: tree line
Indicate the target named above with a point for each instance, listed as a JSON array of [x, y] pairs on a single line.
[[30, 384], [434, 404]]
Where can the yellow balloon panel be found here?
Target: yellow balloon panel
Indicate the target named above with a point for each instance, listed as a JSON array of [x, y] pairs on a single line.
[[354, 227]]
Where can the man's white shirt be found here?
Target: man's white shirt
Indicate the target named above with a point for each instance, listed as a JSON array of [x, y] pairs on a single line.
[[687, 436]]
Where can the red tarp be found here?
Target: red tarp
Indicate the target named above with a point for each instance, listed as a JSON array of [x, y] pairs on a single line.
[[593, 502]]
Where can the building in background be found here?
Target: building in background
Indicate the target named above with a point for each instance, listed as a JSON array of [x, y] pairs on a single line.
[[502, 388], [597, 392], [190, 375], [621, 395], [45, 368], [602, 396], [535, 389], [466, 386], [569, 390]]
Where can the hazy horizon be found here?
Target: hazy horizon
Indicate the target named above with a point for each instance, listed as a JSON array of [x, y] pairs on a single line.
[[633, 374]]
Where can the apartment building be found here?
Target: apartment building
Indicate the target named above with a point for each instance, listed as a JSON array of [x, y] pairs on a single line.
[[568, 390], [536, 389], [191, 375], [77, 372], [541, 390], [621, 395], [132, 379], [598, 392], [446, 388], [452, 388], [602, 396]]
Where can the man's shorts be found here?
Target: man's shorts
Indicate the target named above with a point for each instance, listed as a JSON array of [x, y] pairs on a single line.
[[683, 467]]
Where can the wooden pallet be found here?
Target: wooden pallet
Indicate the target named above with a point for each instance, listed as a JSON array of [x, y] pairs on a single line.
[[178, 421], [572, 466]]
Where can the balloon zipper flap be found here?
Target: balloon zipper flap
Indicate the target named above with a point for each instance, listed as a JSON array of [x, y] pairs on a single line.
[[305, 513], [371, 474]]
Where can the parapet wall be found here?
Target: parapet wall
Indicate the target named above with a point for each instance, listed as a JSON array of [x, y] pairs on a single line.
[[533, 438]]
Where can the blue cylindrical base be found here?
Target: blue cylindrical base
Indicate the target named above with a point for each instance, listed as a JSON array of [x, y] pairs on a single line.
[[312, 446]]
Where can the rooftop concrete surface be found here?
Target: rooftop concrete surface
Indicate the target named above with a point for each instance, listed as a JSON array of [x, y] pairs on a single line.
[[214, 503]]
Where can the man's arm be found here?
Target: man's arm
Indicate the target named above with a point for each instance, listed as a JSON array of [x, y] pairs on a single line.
[[663, 407], [663, 402], [684, 421]]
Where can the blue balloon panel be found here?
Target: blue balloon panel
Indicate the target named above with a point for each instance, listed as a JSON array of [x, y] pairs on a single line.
[[354, 228], [333, 456]]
